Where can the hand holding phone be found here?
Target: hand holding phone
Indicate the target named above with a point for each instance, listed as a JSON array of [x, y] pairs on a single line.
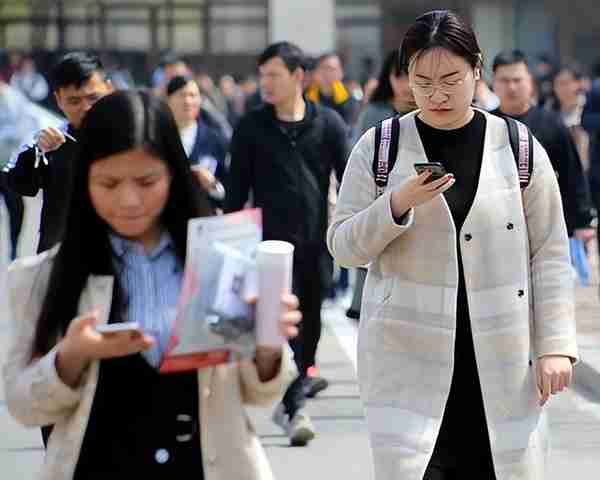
[[422, 188], [131, 327], [437, 170]]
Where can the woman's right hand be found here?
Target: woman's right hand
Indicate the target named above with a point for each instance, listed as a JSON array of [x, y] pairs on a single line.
[[415, 192], [83, 344]]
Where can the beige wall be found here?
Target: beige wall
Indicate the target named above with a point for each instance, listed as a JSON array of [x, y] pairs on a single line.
[[308, 23]]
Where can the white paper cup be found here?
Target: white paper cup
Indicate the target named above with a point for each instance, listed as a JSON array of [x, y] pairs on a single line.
[[275, 263]]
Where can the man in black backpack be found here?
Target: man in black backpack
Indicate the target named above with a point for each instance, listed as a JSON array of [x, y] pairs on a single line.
[[284, 153], [513, 84]]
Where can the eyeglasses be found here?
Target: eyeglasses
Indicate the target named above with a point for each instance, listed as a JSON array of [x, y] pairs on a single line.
[[447, 87]]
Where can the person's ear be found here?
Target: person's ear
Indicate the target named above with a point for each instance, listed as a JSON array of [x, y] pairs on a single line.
[[109, 85], [58, 99], [477, 73]]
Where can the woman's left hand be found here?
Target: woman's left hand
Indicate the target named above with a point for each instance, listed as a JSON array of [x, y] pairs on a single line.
[[554, 374]]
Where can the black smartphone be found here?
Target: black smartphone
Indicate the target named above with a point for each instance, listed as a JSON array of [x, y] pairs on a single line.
[[437, 170]]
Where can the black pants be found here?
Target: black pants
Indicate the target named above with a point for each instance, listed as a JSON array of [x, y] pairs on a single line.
[[595, 194], [310, 276]]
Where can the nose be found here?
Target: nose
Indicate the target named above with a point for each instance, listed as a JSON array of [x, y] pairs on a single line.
[[86, 105], [438, 97], [129, 197]]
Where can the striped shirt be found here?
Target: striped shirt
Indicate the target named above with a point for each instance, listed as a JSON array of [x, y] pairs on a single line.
[[152, 282]]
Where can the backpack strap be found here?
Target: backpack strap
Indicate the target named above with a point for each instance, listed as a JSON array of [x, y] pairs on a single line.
[[387, 135], [521, 143]]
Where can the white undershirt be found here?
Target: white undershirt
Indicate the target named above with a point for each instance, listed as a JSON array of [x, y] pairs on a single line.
[[188, 137]]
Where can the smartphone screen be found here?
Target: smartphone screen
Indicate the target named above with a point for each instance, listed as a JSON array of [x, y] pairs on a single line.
[[436, 168]]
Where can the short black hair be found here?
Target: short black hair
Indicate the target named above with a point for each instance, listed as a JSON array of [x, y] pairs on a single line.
[[75, 68], [510, 57], [292, 55], [177, 83]]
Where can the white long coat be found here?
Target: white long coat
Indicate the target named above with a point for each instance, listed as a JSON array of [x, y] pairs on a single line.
[[519, 285]]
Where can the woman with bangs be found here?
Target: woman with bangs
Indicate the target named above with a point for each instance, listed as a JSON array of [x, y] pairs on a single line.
[[467, 324], [110, 413]]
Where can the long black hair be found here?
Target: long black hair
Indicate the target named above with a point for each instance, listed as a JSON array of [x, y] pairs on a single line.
[[384, 91], [440, 29], [116, 123]]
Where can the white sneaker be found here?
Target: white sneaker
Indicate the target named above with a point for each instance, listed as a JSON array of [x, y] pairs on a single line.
[[301, 430]]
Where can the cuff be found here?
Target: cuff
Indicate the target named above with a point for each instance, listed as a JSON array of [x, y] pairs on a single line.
[[49, 387], [265, 390]]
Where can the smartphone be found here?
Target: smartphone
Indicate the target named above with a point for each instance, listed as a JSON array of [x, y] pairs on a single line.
[[436, 168], [119, 327]]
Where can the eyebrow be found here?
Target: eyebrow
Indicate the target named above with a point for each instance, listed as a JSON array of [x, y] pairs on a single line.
[[443, 76], [108, 176]]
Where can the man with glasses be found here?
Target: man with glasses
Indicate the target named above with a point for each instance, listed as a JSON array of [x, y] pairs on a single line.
[[79, 81], [514, 85]]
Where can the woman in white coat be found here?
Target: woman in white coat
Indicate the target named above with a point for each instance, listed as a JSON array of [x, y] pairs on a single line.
[[467, 323], [112, 414]]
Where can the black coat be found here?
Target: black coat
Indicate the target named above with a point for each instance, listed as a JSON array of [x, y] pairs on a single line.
[[289, 177], [556, 139], [55, 179]]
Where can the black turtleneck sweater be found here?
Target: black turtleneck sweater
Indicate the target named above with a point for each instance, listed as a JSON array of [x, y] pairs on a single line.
[[463, 439]]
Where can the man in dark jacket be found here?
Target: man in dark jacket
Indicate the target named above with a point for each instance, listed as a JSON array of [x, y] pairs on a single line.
[[284, 153], [513, 85], [46, 163], [591, 123]]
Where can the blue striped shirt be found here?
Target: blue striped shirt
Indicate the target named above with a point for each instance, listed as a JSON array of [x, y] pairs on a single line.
[[152, 282]]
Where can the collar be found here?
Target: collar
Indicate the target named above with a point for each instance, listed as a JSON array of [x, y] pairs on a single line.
[[123, 247], [310, 114]]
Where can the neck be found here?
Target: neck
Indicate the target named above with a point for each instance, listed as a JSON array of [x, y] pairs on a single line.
[[183, 124], [326, 89], [515, 110], [151, 238], [568, 105], [402, 106], [292, 110]]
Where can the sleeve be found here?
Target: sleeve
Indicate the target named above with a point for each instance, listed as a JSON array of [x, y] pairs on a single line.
[[21, 174], [362, 226], [573, 186], [340, 144], [591, 113], [35, 394], [551, 273], [240, 176], [255, 392]]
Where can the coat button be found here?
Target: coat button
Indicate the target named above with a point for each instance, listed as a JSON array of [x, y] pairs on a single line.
[[510, 226], [521, 293], [161, 456], [468, 237]]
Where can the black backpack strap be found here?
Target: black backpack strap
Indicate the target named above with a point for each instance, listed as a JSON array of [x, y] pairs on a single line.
[[521, 143], [387, 135]]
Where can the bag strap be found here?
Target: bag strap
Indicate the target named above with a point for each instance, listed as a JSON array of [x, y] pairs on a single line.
[[521, 143], [387, 135]]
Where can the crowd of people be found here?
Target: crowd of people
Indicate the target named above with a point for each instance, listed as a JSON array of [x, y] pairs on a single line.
[[453, 264]]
